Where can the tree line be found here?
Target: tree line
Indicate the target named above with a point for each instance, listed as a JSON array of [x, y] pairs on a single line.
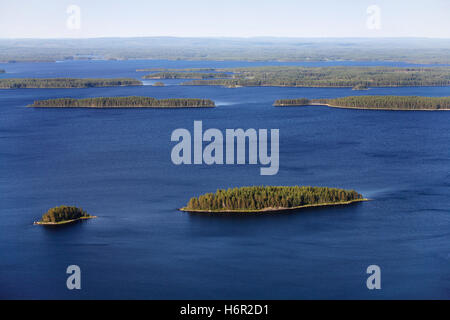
[[21, 83], [292, 102], [353, 77], [262, 197], [63, 213], [186, 75], [375, 102], [174, 69], [124, 102]]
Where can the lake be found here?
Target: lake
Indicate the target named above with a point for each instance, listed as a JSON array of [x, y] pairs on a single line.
[[116, 164]]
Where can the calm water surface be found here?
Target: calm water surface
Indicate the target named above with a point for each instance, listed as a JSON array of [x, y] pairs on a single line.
[[116, 164]]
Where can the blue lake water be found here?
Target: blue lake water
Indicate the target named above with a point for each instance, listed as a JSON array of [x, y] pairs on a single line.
[[116, 164]]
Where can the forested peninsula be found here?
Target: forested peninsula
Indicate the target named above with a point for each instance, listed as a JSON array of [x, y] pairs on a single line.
[[123, 102], [21, 83], [270, 199], [374, 102], [62, 215], [186, 75], [359, 78]]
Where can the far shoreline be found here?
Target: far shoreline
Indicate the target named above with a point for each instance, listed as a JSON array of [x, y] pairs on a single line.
[[357, 108], [124, 85]]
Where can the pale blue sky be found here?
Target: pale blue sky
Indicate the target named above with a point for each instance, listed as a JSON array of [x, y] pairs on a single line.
[[228, 18]]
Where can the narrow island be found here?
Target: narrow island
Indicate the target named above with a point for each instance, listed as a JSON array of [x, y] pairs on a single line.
[[2, 71], [259, 199], [186, 75], [63, 215], [58, 83], [123, 102], [175, 69], [358, 78], [403, 103]]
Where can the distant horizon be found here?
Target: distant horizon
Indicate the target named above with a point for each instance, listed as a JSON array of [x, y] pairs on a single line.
[[410, 49]]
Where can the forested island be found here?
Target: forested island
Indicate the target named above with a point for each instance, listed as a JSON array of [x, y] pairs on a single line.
[[374, 102], [123, 102], [21, 83], [2, 71], [175, 70], [358, 78], [186, 75], [62, 215], [270, 199]]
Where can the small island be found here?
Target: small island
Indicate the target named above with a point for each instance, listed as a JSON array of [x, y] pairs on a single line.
[[2, 71], [58, 83], [401, 103], [259, 199], [63, 215], [123, 102], [159, 84], [360, 87]]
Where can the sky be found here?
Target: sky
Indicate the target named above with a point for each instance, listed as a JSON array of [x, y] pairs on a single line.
[[225, 18]]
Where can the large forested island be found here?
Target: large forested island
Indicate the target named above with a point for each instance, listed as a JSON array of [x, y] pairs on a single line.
[[62, 215], [358, 78], [123, 102], [186, 75], [270, 199], [374, 102], [20, 83]]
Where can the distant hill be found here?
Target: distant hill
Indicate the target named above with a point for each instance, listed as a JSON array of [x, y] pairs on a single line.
[[413, 50]]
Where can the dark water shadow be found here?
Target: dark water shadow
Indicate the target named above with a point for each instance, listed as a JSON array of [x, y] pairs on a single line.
[[72, 226]]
